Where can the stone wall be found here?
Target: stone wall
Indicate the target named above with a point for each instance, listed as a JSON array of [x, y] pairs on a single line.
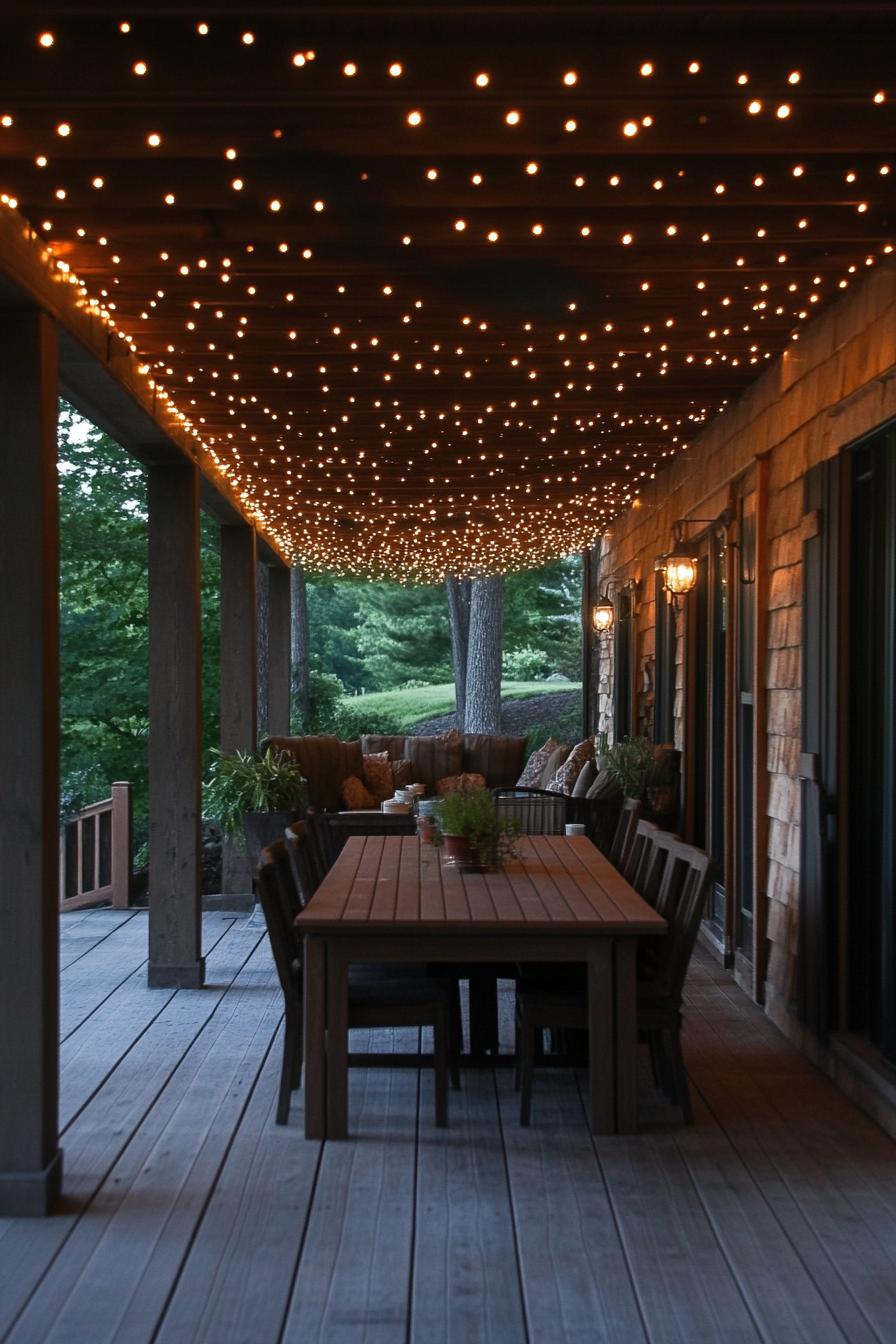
[[831, 387]]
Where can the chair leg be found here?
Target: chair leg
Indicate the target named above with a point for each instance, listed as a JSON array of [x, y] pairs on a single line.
[[298, 1054], [456, 1044], [290, 1026], [679, 1075], [440, 1035], [525, 1044]]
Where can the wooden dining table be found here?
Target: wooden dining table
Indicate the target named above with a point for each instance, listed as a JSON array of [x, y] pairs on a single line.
[[396, 899]]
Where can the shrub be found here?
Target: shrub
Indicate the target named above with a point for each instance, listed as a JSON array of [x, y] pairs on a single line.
[[526, 664], [325, 692], [351, 720]]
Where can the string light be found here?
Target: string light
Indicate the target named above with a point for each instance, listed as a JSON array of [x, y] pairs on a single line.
[[366, 438]]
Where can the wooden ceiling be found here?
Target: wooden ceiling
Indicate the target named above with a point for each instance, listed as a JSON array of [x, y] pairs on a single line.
[[441, 286]]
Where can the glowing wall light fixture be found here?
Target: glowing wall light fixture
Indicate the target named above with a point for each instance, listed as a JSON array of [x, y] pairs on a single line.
[[679, 566], [603, 615]]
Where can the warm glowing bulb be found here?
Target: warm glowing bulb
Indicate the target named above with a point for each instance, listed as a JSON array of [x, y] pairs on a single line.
[[694, 68], [532, 168], [626, 239], [630, 128], [743, 79], [349, 69], [432, 174], [793, 77], [46, 39], [603, 617], [154, 139], [754, 107], [460, 225], [140, 67], [481, 81], [538, 230], [396, 69], [681, 573], [169, 198], [202, 29], [512, 117], [275, 205], [62, 129], [570, 124], [414, 118], [299, 58], [570, 78], [782, 111], [578, 182], [248, 39], [880, 96], [647, 69], [492, 236], [237, 184]]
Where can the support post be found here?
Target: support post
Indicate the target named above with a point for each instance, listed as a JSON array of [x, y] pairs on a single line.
[[175, 848], [279, 645], [587, 641], [239, 672], [30, 1157]]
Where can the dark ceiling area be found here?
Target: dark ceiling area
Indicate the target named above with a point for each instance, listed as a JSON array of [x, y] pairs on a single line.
[[441, 286]]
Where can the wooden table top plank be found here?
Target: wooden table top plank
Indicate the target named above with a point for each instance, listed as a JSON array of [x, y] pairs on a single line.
[[607, 880], [384, 897], [432, 894], [586, 888], [409, 878], [557, 886], [357, 868]]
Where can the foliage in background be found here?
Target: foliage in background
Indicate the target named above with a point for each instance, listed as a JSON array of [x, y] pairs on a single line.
[[103, 620], [251, 781], [380, 637]]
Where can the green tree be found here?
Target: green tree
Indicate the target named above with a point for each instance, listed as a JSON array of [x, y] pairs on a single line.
[[403, 635], [103, 619], [542, 610]]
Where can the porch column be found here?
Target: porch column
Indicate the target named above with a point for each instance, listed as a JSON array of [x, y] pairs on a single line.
[[239, 672], [30, 1158], [279, 649], [175, 711]]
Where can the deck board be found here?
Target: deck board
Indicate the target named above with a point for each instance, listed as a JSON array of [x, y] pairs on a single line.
[[191, 1216]]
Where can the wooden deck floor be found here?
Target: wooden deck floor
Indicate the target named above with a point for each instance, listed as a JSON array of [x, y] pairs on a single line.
[[190, 1216]]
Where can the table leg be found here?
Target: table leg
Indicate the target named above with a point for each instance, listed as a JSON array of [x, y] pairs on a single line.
[[601, 1037], [625, 956], [315, 1026], [483, 1012], [337, 1043]]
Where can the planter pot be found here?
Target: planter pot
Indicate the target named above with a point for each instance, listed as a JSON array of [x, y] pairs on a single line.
[[262, 829], [426, 829], [458, 850]]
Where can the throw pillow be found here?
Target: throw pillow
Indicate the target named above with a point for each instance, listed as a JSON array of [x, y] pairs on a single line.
[[459, 783], [555, 760], [377, 771], [402, 774], [564, 779], [534, 767], [586, 778], [604, 786], [354, 794]]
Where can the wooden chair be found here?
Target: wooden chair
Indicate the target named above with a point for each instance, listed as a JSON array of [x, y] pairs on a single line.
[[543, 812], [680, 898], [624, 834], [379, 996]]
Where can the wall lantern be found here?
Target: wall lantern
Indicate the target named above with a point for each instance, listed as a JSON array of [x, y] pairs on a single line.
[[679, 566], [603, 615]]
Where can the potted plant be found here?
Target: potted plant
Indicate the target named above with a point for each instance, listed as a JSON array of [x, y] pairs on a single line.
[[643, 770], [473, 833], [254, 795]]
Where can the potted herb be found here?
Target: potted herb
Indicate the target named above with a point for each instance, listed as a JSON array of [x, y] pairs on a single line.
[[473, 833], [643, 770], [254, 795]]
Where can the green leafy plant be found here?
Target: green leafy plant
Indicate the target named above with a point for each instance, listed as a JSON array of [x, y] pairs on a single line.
[[471, 813], [630, 763], [252, 781]]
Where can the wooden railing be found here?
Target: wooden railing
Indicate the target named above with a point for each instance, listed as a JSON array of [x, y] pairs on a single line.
[[95, 864]]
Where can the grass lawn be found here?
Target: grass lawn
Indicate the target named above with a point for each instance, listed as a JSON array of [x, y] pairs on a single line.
[[429, 702]]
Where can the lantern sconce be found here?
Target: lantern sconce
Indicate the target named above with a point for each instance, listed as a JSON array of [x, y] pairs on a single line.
[[679, 566], [603, 613]]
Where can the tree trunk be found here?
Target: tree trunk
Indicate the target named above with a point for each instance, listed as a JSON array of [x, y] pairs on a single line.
[[300, 653], [458, 593], [483, 712]]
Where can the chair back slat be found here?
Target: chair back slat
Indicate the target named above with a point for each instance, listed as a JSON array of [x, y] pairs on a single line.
[[639, 853], [681, 900], [624, 834], [277, 898], [301, 859]]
